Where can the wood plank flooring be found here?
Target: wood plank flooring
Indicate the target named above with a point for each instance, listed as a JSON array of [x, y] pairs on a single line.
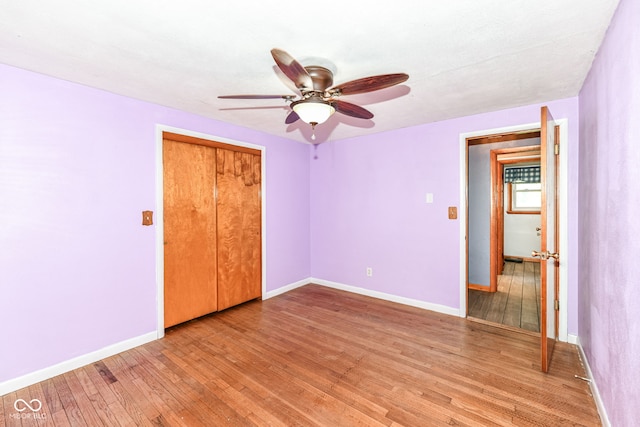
[[517, 301], [316, 356]]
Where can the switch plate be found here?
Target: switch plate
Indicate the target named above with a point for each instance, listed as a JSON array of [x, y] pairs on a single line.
[[453, 212], [369, 271], [147, 217], [429, 198]]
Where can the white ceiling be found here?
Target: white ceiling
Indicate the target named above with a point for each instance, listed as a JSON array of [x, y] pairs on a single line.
[[463, 57]]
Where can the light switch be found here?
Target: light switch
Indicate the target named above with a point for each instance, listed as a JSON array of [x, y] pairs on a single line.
[[453, 212], [429, 197], [147, 217]]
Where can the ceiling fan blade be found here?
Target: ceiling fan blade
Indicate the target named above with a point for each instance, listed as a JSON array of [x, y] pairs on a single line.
[[292, 69], [369, 84], [257, 97], [292, 118], [352, 110]]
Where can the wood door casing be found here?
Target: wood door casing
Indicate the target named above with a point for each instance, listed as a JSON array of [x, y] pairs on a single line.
[[190, 273], [239, 227], [498, 158], [557, 229]]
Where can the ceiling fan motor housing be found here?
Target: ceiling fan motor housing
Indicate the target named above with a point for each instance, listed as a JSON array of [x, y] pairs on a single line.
[[322, 77]]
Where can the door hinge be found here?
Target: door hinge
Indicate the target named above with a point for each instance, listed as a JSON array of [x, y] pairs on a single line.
[[556, 149], [556, 305]]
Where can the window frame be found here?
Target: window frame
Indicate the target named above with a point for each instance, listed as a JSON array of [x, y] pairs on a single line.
[[510, 208]]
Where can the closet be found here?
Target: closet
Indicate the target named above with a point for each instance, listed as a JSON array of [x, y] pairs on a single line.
[[212, 226]]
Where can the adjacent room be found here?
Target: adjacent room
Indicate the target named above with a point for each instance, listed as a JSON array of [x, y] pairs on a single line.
[[257, 214]]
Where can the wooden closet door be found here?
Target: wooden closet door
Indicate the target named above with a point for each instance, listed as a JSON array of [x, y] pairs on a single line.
[[190, 273], [239, 227]]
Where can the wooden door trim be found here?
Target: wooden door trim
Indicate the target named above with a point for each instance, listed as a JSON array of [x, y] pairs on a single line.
[[503, 137], [557, 227], [498, 158], [210, 140], [544, 342], [477, 287], [496, 231]]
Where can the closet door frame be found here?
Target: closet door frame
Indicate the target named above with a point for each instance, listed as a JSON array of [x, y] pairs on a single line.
[[184, 135]]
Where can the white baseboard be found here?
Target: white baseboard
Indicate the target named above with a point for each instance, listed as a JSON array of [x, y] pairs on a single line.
[[388, 297], [286, 288], [602, 411], [356, 290], [77, 362]]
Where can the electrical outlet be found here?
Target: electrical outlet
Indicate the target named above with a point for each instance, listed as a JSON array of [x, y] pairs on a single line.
[[369, 271]]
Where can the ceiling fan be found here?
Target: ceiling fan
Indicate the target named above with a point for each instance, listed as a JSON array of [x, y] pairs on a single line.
[[318, 99]]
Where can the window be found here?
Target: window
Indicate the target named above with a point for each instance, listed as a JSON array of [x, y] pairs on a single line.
[[524, 198]]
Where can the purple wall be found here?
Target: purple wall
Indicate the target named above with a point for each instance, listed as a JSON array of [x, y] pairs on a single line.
[[77, 167], [368, 207], [609, 228]]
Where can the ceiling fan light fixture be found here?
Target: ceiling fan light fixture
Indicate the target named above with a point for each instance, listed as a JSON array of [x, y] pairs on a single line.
[[313, 111]]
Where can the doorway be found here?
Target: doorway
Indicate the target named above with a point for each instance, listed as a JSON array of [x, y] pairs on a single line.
[[503, 279], [494, 134]]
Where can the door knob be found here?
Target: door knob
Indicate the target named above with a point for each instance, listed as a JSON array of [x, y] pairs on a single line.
[[538, 228], [545, 255], [541, 255]]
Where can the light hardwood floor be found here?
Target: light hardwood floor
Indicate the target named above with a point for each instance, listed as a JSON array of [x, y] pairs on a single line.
[[517, 301], [319, 356]]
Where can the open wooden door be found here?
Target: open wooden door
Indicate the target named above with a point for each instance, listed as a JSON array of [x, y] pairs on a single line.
[[548, 253]]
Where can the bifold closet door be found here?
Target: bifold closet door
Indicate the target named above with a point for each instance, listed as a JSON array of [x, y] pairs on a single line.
[[239, 227], [190, 265]]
